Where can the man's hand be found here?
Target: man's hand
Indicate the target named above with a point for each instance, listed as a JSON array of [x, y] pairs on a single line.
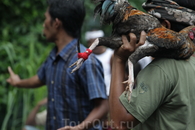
[[129, 47], [14, 78], [71, 128]]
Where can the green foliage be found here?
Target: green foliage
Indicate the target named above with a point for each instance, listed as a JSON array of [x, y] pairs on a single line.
[[24, 49]]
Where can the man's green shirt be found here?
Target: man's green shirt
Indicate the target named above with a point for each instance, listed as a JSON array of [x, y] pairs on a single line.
[[164, 96]]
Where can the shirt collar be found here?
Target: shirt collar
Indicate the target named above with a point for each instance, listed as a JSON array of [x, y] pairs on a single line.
[[65, 52]]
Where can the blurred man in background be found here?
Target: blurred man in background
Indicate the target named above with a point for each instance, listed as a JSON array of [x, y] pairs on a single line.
[[35, 117]]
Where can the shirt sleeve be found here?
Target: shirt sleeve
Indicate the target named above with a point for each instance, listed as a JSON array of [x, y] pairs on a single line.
[[93, 78], [150, 91]]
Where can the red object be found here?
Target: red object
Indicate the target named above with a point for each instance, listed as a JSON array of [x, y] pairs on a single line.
[[85, 54], [191, 35]]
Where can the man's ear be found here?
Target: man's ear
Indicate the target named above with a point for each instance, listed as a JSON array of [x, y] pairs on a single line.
[[58, 23], [166, 23]]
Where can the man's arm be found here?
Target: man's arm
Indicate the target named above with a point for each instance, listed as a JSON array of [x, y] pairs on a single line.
[[15, 80], [99, 112], [120, 118]]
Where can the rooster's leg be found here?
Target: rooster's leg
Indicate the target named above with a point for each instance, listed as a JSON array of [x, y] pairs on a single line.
[[130, 81], [80, 61], [140, 52]]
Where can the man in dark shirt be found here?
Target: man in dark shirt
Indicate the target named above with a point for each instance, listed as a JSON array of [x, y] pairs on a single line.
[[75, 100]]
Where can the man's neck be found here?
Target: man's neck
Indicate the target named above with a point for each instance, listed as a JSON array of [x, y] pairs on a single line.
[[62, 40]]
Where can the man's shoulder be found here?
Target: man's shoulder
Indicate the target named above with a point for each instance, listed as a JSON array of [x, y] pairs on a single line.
[[169, 66], [172, 62], [167, 62], [161, 65], [162, 60]]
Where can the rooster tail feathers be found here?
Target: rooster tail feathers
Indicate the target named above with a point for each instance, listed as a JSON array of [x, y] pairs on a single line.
[[98, 10], [106, 10], [110, 11]]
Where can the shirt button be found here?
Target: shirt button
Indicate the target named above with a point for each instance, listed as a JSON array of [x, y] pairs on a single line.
[[52, 82], [54, 117], [52, 100]]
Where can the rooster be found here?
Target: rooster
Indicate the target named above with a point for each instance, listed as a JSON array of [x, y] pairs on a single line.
[[160, 41]]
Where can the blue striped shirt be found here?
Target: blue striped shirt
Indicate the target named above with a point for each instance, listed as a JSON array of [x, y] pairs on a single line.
[[70, 94]]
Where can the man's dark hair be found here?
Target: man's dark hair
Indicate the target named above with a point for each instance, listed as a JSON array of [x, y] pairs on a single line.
[[185, 3], [70, 12]]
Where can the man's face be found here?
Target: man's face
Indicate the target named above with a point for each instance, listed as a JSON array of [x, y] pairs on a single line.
[[48, 27]]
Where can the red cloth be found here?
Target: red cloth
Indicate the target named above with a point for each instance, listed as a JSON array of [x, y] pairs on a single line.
[[85, 54]]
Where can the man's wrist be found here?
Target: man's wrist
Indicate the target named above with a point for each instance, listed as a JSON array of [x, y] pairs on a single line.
[[119, 59]]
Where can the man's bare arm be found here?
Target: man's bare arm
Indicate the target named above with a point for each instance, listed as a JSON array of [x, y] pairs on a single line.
[[15, 80]]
